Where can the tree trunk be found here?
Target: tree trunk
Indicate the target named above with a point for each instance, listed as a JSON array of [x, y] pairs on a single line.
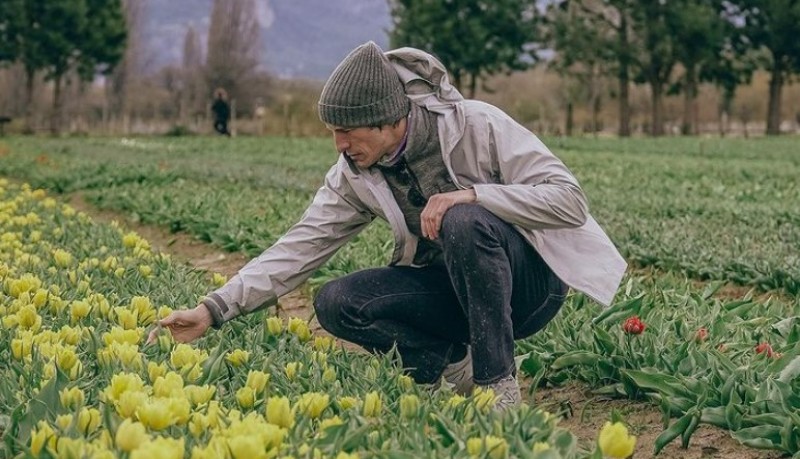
[[657, 129], [624, 81], [55, 117], [596, 114], [775, 87], [30, 77], [473, 83], [689, 126], [570, 121]]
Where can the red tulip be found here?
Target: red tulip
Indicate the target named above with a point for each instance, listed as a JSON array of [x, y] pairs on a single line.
[[764, 348], [701, 335], [633, 326]]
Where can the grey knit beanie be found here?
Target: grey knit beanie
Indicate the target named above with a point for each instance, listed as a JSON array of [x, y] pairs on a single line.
[[364, 90]]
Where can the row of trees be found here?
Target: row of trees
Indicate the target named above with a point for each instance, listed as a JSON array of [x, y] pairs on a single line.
[[670, 45], [69, 43], [61, 37]]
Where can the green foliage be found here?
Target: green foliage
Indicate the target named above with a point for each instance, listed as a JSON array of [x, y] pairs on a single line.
[[473, 39]]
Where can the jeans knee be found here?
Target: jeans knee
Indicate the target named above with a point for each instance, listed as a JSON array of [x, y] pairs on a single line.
[[328, 305], [464, 222]]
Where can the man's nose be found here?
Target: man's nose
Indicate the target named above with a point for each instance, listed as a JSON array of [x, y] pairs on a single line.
[[341, 141]]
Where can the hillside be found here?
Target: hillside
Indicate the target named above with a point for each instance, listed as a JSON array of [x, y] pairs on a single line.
[[304, 38]]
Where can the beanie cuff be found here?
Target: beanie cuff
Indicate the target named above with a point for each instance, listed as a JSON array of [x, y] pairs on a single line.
[[385, 111]]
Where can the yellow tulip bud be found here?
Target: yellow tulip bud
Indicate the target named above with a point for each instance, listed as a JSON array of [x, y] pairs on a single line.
[[274, 325], [238, 357], [246, 397], [257, 380], [615, 442], [409, 406], [372, 405]]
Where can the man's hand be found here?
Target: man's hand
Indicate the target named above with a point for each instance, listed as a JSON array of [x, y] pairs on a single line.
[[438, 204], [185, 326]]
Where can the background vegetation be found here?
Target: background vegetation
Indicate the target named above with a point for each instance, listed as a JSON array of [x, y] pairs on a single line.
[[563, 67]]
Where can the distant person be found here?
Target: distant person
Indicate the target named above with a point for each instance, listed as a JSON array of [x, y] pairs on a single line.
[[221, 111], [490, 228]]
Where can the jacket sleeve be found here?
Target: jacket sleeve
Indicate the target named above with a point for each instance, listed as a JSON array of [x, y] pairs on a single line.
[[532, 188], [333, 218]]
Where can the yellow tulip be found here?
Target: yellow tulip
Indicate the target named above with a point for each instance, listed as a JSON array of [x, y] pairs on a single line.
[[64, 421], [372, 405], [540, 447], [123, 382], [279, 412], [160, 448], [292, 368], [274, 325], [246, 397], [345, 403], [88, 420], [71, 398], [199, 395], [129, 402], [409, 406], [155, 414], [246, 447], [218, 279], [198, 425], [169, 385], [257, 380], [329, 375], [130, 435], [39, 437], [238, 357], [615, 442], [78, 310], [62, 258], [330, 422], [312, 404]]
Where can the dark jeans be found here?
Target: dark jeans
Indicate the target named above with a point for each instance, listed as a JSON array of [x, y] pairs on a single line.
[[221, 126], [493, 288]]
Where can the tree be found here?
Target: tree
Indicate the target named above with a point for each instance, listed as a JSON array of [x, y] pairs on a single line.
[[606, 36], [58, 36], [772, 25], [582, 54], [234, 44], [128, 68], [11, 15], [699, 39], [655, 23], [193, 88], [473, 38]]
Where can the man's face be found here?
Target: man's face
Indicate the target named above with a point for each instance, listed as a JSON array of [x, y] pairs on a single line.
[[364, 145]]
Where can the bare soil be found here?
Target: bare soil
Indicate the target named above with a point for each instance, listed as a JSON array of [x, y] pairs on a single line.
[[585, 412]]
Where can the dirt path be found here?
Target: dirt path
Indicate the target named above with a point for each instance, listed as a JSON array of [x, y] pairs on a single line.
[[588, 413]]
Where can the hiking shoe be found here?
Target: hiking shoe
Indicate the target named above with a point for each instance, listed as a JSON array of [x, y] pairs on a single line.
[[458, 376], [507, 393]]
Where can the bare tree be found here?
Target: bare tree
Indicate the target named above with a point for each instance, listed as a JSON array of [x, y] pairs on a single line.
[[193, 87], [130, 68], [234, 44]]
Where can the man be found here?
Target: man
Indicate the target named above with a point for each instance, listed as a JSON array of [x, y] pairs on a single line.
[[221, 111], [491, 229]]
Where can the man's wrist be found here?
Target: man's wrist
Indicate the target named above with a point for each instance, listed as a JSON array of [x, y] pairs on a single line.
[[211, 313]]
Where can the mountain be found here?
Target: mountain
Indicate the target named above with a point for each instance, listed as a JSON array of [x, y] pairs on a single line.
[[301, 38]]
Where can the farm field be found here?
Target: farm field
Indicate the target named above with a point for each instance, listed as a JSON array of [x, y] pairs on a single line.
[[714, 222]]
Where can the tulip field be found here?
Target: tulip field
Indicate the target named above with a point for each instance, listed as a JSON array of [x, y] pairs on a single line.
[[705, 326]]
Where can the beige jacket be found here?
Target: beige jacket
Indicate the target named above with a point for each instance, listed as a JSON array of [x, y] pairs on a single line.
[[515, 176]]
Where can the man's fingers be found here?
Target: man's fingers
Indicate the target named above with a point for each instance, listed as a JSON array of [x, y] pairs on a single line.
[[152, 337]]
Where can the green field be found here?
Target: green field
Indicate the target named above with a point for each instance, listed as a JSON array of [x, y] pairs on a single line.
[[720, 210]]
